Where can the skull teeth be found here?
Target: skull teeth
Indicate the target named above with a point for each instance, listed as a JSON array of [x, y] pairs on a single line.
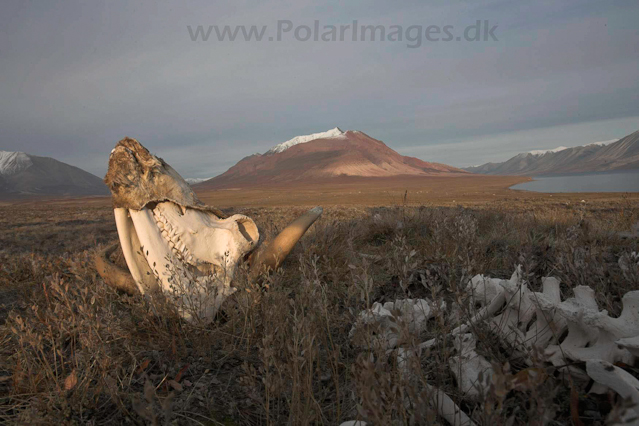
[[170, 235]]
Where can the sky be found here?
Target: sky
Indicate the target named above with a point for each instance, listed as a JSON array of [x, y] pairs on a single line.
[[77, 76]]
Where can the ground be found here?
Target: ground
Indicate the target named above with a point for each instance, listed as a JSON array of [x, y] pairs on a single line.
[[74, 351]]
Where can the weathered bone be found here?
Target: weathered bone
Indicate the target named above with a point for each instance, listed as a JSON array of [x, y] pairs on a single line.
[[443, 404], [118, 277], [387, 319], [447, 408], [526, 321], [622, 382], [631, 344], [548, 326], [132, 249], [517, 314], [173, 244], [593, 334], [472, 371], [271, 257]]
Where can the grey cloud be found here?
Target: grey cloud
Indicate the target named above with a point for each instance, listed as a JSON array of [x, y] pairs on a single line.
[[78, 76]]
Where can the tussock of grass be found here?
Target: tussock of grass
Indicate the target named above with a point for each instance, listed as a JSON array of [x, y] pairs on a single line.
[[72, 351]]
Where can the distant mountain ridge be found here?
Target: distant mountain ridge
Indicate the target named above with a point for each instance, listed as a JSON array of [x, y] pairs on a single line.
[[621, 154], [25, 174], [325, 155]]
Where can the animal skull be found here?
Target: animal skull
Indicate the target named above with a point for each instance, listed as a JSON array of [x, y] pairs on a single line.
[[176, 246]]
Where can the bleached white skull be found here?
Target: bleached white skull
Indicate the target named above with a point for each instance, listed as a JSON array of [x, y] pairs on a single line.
[[173, 244]]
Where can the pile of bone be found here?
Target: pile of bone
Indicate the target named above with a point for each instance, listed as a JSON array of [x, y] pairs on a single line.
[[571, 332]]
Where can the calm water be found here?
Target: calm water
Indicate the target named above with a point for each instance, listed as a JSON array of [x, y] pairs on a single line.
[[625, 181]]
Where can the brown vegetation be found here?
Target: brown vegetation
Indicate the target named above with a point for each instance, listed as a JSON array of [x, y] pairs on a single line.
[[73, 351]]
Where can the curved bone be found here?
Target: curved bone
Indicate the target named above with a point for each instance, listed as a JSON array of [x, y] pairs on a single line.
[[548, 326], [593, 334], [271, 256], [616, 379], [388, 320], [631, 344], [447, 408], [443, 404], [512, 323], [112, 274], [468, 366], [132, 249]]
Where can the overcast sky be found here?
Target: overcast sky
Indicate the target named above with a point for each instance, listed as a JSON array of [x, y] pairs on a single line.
[[77, 76]]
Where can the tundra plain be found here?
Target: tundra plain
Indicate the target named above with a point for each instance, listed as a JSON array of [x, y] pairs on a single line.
[[74, 351]]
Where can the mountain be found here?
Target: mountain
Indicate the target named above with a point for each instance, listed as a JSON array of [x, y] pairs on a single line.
[[335, 132], [621, 154], [193, 181], [24, 174], [325, 155]]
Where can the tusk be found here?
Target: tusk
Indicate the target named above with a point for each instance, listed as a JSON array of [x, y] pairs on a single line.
[[131, 248], [271, 257], [112, 274]]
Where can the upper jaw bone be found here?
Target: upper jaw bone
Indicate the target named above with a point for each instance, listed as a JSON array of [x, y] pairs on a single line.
[[203, 238], [156, 251], [195, 294]]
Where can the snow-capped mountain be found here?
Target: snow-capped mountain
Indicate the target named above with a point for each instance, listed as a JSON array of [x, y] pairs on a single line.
[[193, 181], [545, 151], [24, 174], [538, 152], [13, 162], [603, 143], [615, 154], [333, 133], [323, 157]]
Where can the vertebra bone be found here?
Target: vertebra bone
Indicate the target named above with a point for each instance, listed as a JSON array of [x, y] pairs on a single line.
[[534, 321]]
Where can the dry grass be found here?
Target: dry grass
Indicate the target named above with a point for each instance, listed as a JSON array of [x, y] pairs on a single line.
[[73, 351]]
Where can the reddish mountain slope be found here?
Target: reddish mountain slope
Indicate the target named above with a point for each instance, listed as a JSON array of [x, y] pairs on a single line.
[[347, 154]]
